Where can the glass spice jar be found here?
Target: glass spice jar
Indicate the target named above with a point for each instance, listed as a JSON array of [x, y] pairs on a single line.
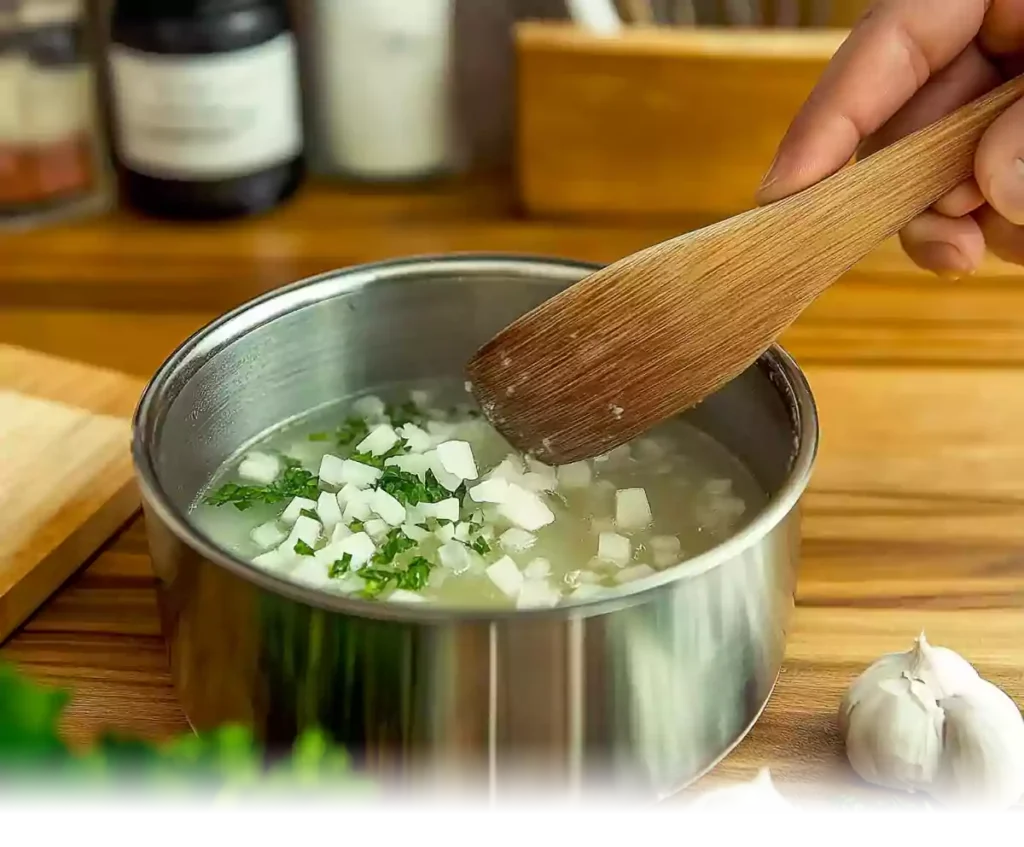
[[53, 159]]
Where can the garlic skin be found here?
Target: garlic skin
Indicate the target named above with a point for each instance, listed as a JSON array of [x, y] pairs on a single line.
[[925, 720], [758, 795]]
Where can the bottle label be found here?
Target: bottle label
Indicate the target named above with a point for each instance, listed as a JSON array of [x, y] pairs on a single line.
[[207, 117]]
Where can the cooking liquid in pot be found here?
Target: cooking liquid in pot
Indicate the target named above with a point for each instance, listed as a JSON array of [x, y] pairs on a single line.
[[437, 507]]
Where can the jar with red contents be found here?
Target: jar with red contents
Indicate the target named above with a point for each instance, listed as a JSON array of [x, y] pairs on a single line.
[[52, 156]]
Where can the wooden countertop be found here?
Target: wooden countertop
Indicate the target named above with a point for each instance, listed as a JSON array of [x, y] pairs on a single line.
[[915, 518]]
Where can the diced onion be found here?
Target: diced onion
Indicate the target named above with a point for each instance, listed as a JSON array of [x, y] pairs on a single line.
[[356, 510], [294, 510], [387, 507], [360, 475], [268, 535], [417, 440], [400, 595], [633, 573], [332, 470], [454, 556], [262, 468], [446, 510], [376, 528], [506, 576], [312, 572], [614, 548], [369, 408], [305, 530], [381, 439], [495, 490], [632, 511], [441, 474], [516, 540], [537, 569], [575, 475], [445, 532], [328, 510], [416, 463], [538, 593], [360, 547], [416, 533], [456, 458], [525, 509]]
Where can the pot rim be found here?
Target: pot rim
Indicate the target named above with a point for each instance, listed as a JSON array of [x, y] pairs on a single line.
[[182, 364]]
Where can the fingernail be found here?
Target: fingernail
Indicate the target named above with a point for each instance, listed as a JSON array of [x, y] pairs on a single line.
[[943, 259], [770, 175], [1006, 190]]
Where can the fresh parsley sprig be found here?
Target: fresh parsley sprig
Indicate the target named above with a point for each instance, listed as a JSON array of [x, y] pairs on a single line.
[[294, 482], [219, 772]]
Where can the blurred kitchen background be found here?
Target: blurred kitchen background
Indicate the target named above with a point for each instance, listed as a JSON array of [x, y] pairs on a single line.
[[208, 110]]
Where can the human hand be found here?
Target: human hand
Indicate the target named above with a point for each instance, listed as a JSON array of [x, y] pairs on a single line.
[[905, 65]]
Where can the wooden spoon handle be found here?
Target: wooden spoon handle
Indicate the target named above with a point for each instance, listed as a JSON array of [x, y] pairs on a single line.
[[888, 189]]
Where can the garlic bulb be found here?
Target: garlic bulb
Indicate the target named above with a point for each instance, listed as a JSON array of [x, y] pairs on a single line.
[[759, 794], [925, 720]]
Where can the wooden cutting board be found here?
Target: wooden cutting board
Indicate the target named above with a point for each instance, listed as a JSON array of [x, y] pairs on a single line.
[[66, 479]]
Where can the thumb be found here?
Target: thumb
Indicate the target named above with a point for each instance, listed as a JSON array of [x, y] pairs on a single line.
[[999, 164]]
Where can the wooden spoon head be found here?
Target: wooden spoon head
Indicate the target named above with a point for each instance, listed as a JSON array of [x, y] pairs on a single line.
[[627, 347]]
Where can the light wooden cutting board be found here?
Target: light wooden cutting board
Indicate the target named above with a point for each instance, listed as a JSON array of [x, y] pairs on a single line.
[[66, 479]]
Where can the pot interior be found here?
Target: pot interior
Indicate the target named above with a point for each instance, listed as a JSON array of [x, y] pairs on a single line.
[[372, 327]]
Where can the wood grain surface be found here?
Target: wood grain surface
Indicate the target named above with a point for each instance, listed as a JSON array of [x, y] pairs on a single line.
[[672, 120], [66, 478], [915, 518]]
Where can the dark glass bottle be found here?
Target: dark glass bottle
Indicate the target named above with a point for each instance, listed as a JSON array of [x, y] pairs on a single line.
[[206, 106]]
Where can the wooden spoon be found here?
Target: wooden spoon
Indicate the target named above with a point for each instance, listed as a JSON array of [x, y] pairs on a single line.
[[655, 333]]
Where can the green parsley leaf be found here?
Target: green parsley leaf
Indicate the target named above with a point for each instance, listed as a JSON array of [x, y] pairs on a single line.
[[406, 413], [481, 546], [396, 543], [352, 431], [340, 567], [309, 513], [303, 549], [377, 580], [851, 805], [229, 756], [414, 577], [294, 482], [356, 526], [320, 436], [408, 490]]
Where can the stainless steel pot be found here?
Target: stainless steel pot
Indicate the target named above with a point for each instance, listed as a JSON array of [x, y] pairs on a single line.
[[648, 690]]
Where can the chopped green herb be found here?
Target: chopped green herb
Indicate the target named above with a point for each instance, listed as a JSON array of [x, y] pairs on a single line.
[[352, 431], [851, 805], [378, 461], [340, 567], [294, 482], [414, 577], [377, 580], [356, 526], [309, 513], [406, 413], [397, 542], [409, 490], [320, 436], [481, 546], [368, 459], [303, 549], [216, 772]]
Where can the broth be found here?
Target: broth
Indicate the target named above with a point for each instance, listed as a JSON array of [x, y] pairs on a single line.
[[437, 507]]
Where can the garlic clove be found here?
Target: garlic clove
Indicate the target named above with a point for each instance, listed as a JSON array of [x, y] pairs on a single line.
[[983, 760], [894, 734], [759, 794], [944, 671]]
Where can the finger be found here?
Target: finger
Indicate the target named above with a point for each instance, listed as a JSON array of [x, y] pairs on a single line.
[[1002, 31], [946, 246], [968, 76], [999, 164], [962, 200], [884, 62], [1003, 238]]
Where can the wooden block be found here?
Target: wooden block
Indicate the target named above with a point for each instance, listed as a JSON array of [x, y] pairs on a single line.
[[656, 121], [66, 478]]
